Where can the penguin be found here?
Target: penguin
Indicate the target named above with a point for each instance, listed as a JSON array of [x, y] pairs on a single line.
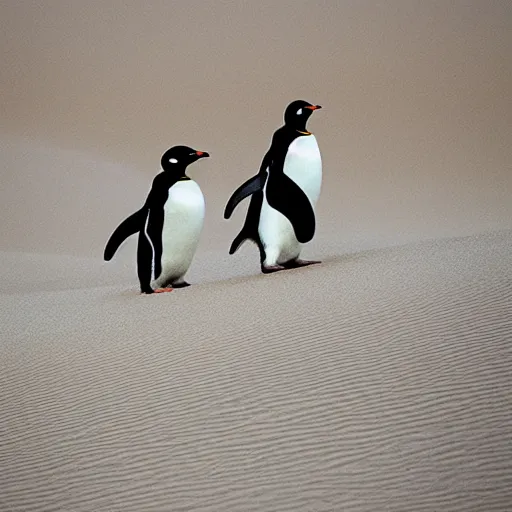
[[169, 224], [281, 213]]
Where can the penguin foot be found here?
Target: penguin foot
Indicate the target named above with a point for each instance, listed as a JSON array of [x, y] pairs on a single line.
[[183, 284], [163, 290], [271, 268], [300, 263]]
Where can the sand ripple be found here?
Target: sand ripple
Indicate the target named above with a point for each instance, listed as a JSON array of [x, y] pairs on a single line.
[[379, 381]]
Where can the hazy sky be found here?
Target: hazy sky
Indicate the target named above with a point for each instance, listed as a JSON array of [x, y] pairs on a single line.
[[417, 120]]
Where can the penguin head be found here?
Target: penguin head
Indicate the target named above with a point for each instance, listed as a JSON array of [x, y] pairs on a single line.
[[178, 158], [297, 114]]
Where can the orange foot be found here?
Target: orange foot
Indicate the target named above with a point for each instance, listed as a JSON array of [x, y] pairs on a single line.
[[163, 290]]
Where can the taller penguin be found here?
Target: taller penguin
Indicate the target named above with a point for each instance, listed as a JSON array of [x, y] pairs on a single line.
[[169, 224], [281, 213]]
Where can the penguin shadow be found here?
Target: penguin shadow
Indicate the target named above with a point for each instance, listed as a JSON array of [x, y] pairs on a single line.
[[344, 258], [328, 261]]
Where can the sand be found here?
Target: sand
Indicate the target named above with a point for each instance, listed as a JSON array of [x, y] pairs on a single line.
[[379, 380]]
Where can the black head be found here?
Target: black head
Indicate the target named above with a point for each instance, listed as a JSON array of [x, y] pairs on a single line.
[[297, 114], [178, 158]]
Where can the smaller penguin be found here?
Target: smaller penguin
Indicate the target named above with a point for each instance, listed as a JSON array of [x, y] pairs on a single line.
[[169, 224]]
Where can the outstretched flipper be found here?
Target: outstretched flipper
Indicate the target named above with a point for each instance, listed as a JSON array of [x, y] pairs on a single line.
[[251, 186], [128, 227], [294, 205]]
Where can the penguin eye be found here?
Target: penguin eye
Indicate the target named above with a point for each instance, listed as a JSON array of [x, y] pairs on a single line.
[[299, 112], [173, 160]]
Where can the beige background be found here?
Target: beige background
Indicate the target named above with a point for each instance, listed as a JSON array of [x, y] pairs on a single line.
[[415, 132]]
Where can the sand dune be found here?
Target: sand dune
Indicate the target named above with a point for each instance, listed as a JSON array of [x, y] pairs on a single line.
[[377, 381]]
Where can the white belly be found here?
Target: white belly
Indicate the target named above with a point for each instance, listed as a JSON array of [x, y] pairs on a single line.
[[183, 223], [303, 164]]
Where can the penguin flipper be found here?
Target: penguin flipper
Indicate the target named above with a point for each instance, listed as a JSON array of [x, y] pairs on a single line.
[[293, 204], [127, 228], [251, 186]]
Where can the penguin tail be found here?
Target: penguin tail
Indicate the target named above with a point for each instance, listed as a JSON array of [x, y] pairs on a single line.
[[242, 237], [237, 242], [128, 227]]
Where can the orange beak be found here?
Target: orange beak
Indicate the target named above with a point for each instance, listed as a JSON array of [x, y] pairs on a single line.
[[202, 153], [313, 107]]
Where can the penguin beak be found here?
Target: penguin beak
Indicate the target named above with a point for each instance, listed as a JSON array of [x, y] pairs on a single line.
[[202, 154], [313, 107]]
